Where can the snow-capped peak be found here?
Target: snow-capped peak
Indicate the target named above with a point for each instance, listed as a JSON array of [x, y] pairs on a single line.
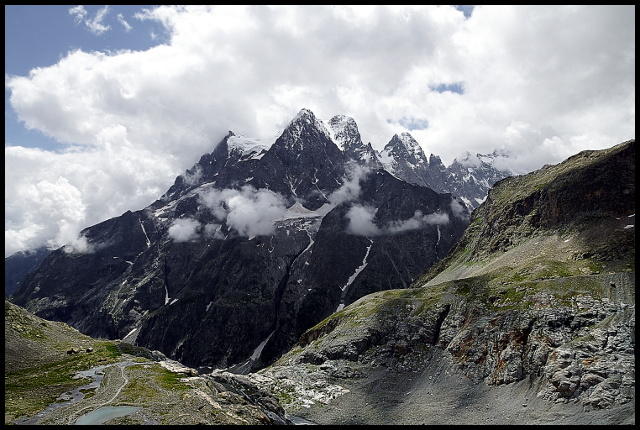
[[405, 147], [305, 118], [249, 146], [344, 131], [467, 159], [412, 145]]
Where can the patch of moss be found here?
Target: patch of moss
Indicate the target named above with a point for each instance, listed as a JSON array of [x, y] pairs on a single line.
[[470, 263], [382, 302], [472, 289], [514, 295]]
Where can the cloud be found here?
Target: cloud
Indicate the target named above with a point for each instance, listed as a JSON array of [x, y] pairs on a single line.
[[94, 24], [248, 211], [50, 197], [184, 230], [125, 24], [459, 209], [417, 221], [350, 188], [212, 231], [193, 177], [361, 221], [361, 217], [79, 13], [76, 244], [481, 78]]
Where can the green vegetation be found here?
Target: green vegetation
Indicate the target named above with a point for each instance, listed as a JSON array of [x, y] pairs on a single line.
[[170, 380], [525, 294], [29, 391], [285, 394], [148, 383], [380, 303]]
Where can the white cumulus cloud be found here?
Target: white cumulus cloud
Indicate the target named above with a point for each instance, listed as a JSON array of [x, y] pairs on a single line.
[[361, 221], [542, 82], [248, 211], [184, 230], [350, 188]]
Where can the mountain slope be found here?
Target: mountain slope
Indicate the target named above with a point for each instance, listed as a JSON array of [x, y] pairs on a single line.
[[43, 357], [530, 318], [589, 200], [237, 161], [17, 266]]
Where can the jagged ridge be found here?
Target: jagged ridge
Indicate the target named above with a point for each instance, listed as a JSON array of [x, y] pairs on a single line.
[[224, 248]]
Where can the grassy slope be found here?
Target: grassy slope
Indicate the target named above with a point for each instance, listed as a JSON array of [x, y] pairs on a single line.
[[515, 244], [37, 366]]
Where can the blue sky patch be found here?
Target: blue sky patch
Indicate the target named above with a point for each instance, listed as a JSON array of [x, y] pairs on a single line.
[[456, 87], [466, 9], [411, 123]]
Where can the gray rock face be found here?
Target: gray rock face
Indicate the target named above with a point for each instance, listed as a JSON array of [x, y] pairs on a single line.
[[347, 137], [19, 265], [469, 178], [535, 307], [249, 248], [582, 350]]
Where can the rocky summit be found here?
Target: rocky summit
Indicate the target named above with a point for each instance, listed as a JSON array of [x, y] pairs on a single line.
[[253, 245]]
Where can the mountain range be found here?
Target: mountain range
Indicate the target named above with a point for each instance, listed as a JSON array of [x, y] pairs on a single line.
[[469, 177], [258, 242], [528, 317]]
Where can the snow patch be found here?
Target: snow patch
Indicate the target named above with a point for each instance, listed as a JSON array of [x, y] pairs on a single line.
[[258, 351], [145, 233], [253, 147], [355, 274], [387, 161]]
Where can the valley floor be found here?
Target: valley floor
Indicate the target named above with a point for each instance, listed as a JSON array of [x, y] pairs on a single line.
[[438, 396]]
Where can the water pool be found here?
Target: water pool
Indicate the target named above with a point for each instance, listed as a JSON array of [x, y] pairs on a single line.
[[106, 413]]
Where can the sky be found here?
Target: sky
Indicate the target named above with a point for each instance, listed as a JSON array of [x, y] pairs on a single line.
[[106, 105]]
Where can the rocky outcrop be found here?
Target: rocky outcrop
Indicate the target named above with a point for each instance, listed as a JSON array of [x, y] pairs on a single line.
[[583, 347], [536, 302], [575, 194]]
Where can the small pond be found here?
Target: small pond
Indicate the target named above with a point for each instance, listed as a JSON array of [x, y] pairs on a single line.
[[106, 413]]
